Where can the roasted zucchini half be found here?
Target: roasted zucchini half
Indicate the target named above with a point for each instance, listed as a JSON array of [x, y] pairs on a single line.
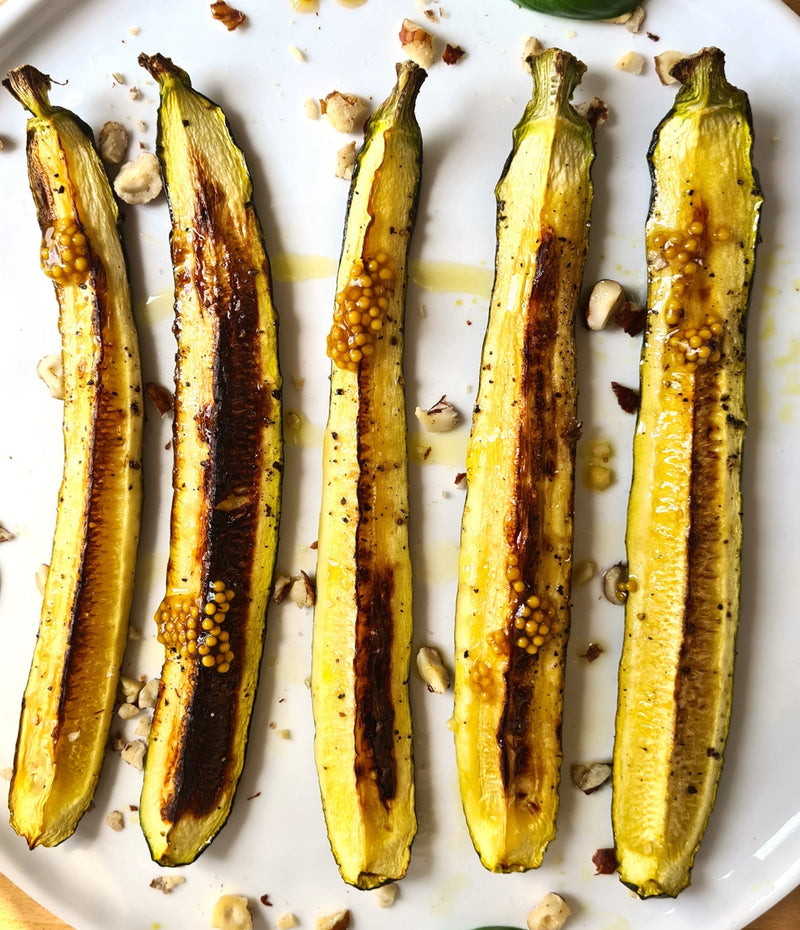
[[362, 622], [513, 604], [228, 463], [684, 529], [69, 699]]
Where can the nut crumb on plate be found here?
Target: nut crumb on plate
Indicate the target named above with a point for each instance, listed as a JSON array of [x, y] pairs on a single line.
[[630, 62], [134, 752], [5, 534], [340, 920], [345, 161], [418, 44], [440, 418], [116, 820], [165, 883], [345, 112], [432, 669], [229, 17], [231, 913], [139, 181], [664, 63], [51, 370], [550, 913], [286, 921], [385, 895], [41, 577]]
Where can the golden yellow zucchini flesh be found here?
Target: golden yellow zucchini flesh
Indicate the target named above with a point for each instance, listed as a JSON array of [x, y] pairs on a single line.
[[363, 615], [228, 462], [513, 604], [684, 528], [69, 698]]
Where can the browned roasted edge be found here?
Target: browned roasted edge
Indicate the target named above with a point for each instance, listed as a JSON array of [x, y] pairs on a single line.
[[232, 429], [545, 421]]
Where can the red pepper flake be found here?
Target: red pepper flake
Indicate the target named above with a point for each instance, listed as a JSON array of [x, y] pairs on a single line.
[[452, 54], [627, 398], [605, 861], [254, 796], [426, 453], [264, 899], [461, 479], [160, 397], [227, 15]]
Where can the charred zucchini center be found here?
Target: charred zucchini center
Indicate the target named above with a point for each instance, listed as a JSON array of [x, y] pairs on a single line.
[[683, 252], [360, 310], [193, 626], [65, 253]]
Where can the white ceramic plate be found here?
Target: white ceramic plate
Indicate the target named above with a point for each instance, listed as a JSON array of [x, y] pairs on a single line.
[[275, 842]]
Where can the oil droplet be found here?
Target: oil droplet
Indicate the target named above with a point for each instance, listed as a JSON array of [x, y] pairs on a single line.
[[160, 306], [290, 267], [452, 277]]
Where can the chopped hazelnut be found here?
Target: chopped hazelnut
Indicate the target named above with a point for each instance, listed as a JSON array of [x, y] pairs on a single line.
[[616, 583], [165, 883], [452, 54], [286, 921], [588, 778], [530, 49], [385, 895], [143, 728], [605, 301], [5, 534], [432, 670], [128, 711], [664, 63], [440, 418], [160, 397], [231, 913], [345, 161], [630, 62], [229, 17], [51, 370], [130, 688], [550, 913], [116, 820], [338, 921], [139, 181], [345, 112], [281, 588], [41, 577], [134, 753], [583, 572], [113, 142], [310, 108], [418, 44], [149, 693], [302, 591]]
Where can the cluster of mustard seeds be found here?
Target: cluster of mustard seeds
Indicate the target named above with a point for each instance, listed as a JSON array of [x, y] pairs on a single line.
[[480, 674], [360, 310], [193, 627], [65, 253], [683, 250]]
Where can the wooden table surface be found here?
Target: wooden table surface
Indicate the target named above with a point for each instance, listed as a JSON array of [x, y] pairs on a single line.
[[20, 912]]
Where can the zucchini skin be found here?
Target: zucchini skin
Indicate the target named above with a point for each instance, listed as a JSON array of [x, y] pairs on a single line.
[[363, 615], [513, 603], [227, 476], [69, 699], [580, 9], [684, 528]]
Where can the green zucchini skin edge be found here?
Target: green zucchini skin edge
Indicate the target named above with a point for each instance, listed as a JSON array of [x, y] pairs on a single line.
[[580, 9]]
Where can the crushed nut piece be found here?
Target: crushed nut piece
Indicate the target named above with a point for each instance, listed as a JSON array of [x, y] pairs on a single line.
[[135, 94], [41, 577], [149, 693], [302, 591], [281, 588], [139, 181], [630, 62], [119, 78], [605, 301], [51, 370], [6, 772], [134, 31], [161, 398], [310, 108], [635, 19], [134, 753], [550, 913], [418, 44], [338, 921], [283, 734], [631, 318], [386, 894], [128, 711], [231, 913], [116, 820], [432, 670], [113, 142], [452, 54], [130, 688], [530, 49], [229, 17], [286, 921], [594, 111], [440, 418], [345, 112], [664, 64], [297, 53], [5, 535], [588, 778], [165, 883], [345, 161], [605, 861], [143, 728]]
